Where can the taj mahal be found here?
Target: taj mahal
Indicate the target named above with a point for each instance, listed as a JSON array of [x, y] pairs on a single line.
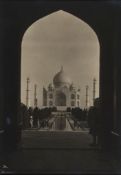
[[61, 93]]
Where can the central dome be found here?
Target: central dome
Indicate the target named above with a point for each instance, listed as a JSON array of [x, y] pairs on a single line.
[[61, 79]]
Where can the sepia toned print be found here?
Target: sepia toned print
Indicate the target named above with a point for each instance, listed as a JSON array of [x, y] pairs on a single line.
[[60, 87]]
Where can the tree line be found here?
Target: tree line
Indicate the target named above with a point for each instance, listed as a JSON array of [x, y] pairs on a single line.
[[43, 115]]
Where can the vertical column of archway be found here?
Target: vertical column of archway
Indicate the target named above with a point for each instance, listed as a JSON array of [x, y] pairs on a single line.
[[1, 86], [117, 82], [119, 78], [106, 90], [11, 83], [110, 85], [1, 91]]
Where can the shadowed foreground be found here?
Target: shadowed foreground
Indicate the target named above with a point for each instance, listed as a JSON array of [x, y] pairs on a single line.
[[60, 152]]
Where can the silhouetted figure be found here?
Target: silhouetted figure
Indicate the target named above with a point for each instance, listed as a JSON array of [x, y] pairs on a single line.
[[35, 117], [31, 121], [27, 117], [24, 116], [93, 122], [9, 139]]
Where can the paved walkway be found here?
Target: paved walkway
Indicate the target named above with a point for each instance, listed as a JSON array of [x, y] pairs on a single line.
[[60, 152], [56, 140]]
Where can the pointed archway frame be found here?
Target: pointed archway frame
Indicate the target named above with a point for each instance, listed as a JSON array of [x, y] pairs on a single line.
[[102, 17]]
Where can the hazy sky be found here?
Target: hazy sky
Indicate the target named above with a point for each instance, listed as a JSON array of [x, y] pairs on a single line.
[[59, 39]]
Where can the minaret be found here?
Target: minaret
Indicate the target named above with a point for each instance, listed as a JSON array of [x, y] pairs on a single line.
[[44, 97], [27, 92], [94, 90], [87, 97], [35, 96]]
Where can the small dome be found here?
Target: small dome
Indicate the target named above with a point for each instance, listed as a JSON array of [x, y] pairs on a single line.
[[72, 87], [50, 85], [61, 78]]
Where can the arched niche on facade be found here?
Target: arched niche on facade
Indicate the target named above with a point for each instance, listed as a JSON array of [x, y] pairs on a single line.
[[60, 99]]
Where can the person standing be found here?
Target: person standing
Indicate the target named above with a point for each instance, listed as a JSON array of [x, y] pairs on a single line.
[[31, 121], [93, 123]]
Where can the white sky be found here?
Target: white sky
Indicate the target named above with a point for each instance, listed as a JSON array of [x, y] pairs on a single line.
[[59, 39]]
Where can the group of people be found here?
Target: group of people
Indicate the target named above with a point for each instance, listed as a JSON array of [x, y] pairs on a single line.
[[39, 123], [39, 118], [34, 117]]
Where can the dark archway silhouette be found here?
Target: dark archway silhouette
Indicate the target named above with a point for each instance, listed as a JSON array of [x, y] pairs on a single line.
[[103, 17]]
